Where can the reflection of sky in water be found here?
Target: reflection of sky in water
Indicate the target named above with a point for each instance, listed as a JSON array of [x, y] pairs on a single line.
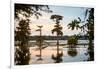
[[47, 52], [63, 41]]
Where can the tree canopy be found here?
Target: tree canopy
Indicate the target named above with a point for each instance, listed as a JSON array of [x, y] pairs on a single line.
[[29, 9]]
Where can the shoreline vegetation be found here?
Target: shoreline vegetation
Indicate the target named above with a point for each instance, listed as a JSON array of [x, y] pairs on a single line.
[[54, 37], [53, 43]]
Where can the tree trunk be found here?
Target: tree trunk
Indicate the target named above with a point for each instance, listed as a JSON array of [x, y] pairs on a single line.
[[91, 49], [40, 45], [57, 46]]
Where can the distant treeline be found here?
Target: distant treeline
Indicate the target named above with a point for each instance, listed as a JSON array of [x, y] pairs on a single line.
[[55, 37]]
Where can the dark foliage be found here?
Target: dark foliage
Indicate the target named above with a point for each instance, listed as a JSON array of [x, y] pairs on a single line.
[[29, 9], [58, 30], [88, 27], [22, 55]]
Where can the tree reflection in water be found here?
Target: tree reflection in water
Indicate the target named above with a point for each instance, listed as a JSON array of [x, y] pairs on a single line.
[[72, 52], [57, 58]]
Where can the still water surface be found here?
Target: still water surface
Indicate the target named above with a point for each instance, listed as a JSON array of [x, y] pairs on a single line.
[[47, 52]]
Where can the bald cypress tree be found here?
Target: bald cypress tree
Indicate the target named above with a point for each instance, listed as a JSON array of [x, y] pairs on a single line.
[[58, 30], [22, 54]]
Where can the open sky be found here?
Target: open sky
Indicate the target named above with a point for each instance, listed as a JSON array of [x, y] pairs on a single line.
[[68, 13]]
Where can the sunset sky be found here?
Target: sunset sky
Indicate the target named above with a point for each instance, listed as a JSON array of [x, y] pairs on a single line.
[[68, 13]]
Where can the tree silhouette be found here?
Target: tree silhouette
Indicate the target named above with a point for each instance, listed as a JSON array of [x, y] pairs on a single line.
[[90, 33], [57, 29], [74, 24], [29, 9], [88, 27], [22, 54], [72, 41], [40, 41]]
